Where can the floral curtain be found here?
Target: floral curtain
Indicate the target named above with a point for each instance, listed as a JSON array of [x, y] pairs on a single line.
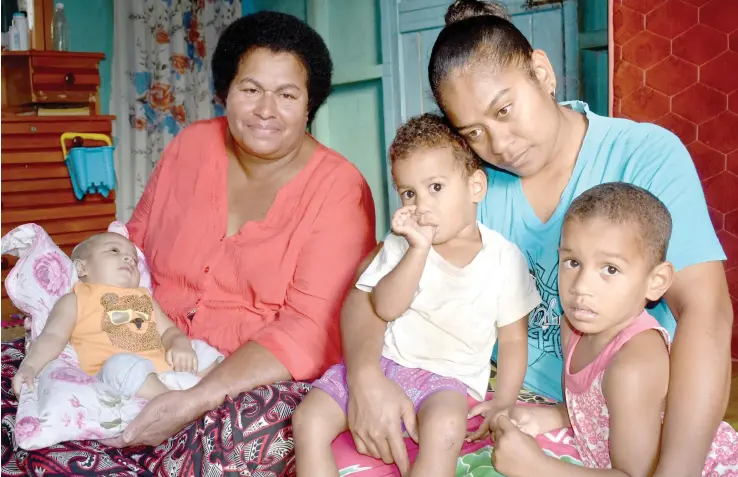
[[161, 80]]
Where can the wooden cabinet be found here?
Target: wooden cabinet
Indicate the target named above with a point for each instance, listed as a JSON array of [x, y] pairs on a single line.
[[34, 78], [36, 186]]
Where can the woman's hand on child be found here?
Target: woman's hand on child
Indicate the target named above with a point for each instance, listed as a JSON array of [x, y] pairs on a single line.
[[407, 223], [489, 410], [525, 419], [377, 407], [26, 374], [181, 357], [515, 452]]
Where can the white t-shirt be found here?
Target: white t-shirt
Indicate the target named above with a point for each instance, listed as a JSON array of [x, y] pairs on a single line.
[[451, 326]]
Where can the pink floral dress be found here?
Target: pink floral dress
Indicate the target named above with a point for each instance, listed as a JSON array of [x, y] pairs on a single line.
[[590, 419]]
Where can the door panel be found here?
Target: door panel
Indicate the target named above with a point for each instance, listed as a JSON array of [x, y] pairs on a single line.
[[420, 21]]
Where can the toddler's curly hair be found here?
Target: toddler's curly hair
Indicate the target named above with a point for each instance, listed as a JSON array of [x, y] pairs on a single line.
[[432, 131]]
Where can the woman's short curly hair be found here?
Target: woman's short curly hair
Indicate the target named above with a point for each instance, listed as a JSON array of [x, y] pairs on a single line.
[[431, 131], [279, 33]]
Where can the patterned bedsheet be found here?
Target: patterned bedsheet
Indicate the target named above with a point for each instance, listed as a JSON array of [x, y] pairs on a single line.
[[231, 440]]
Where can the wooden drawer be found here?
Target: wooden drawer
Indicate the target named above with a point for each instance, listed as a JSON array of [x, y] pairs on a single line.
[[64, 80], [45, 77]]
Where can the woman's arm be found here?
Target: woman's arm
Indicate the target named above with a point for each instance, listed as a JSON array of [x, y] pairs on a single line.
[[700, 367], [699, 301], [377, 406]]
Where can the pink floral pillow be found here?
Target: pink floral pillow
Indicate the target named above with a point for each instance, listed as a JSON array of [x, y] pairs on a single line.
[[68, 404], [41, 276]]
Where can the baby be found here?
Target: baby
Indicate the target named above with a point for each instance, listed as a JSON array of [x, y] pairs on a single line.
[[616, 369], [118, 330], [447, 286]]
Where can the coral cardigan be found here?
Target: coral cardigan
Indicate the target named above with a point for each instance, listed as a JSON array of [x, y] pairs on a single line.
[[279, 282]]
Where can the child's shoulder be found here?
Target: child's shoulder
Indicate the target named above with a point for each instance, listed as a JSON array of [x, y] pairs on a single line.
[[497, 245], [643, 361]]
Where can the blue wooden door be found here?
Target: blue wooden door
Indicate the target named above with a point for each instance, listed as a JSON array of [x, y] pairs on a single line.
[[410, 27]]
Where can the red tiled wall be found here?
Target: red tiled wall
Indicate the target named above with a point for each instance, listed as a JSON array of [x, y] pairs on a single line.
[[676, 64]]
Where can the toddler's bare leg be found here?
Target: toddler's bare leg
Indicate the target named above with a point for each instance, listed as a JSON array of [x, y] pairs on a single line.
[[151, 387], [442, 428], [317, 421]]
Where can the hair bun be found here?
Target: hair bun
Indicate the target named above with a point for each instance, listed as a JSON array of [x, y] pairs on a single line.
[[463, 9]]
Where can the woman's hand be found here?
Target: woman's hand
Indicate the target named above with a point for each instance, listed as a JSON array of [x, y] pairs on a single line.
[[376, 408], [163, 417]]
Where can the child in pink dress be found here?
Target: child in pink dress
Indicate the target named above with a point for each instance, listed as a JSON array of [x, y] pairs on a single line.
[[616, 371]]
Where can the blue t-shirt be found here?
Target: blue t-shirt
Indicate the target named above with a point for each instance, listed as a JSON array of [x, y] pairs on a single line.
[[613, 150]]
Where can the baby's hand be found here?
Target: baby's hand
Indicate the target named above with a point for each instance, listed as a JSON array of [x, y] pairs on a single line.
[[525, 419], [181, 356], [405, 222], [26, 374]]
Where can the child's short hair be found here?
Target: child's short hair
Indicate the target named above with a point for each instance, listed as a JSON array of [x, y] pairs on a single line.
[[623, 203], [82, 250], [431, 131]]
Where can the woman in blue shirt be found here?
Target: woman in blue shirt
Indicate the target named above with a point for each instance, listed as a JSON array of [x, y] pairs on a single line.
[[498, 92]]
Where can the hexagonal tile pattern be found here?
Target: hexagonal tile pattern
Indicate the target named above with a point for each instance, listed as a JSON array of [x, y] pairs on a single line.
[[720, 133], [627, 78], [733, 162], [686, 130], [646, 49], [720, 192], [699, 44], [692, 91], [645, 104], [708, 161], [642, 6], [627, 23], [731, 222], [699, 103], [717, 218], [671, 75], [721, 72], [721, 15], [672, 18]]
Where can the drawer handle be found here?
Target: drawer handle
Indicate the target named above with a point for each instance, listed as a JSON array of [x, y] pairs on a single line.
[[69, 79], [33, 129]]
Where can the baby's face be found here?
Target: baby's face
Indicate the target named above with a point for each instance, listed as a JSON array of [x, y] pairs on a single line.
[[434, 182], [112, 260]]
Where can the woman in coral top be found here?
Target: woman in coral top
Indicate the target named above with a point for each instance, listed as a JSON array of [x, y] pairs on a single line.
[[253, 232]]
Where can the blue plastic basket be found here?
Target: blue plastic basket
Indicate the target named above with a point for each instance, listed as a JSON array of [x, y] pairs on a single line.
[[90, 168]]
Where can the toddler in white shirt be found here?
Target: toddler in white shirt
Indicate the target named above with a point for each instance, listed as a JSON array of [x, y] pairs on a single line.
[[449, 288]]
